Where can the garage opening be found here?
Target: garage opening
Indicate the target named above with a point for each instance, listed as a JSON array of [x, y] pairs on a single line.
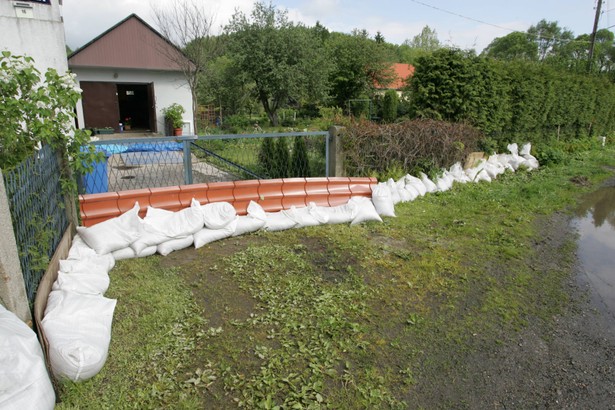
[[135, 106]]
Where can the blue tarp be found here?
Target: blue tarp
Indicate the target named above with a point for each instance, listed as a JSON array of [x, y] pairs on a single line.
[[97, 181]]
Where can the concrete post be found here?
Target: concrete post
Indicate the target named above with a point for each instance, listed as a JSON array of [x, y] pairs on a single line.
[[336, 154], [12, 287]]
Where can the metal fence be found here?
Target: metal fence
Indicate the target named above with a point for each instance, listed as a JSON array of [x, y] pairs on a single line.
[[166, 161], [38, 213]]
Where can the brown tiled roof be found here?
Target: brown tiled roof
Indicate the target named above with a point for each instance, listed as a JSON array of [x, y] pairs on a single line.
[[131, 43], [401, 73]]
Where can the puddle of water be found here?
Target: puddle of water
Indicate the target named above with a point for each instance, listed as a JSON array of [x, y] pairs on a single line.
[[595, 222]]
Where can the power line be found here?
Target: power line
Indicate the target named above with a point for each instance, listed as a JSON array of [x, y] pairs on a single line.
[[536, 36]]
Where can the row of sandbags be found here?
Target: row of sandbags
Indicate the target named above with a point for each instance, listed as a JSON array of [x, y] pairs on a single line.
[[78, 317], [24, 382], [386, 194]]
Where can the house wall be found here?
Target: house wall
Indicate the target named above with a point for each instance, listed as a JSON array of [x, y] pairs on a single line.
[[38, 33], [169, 87]]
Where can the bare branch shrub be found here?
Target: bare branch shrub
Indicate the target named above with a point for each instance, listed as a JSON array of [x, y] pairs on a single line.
[[412, 146]]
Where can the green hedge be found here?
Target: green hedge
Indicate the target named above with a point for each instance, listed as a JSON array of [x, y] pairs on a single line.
[[512, 101]]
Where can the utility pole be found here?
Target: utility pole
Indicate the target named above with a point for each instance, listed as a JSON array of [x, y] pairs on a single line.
[[593, 37]]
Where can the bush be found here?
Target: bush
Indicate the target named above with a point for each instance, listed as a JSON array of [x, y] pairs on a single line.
[[300, 165], [419, 145], [389, 106], [266, 156]]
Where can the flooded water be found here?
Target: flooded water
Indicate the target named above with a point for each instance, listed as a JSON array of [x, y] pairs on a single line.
[[595, 221]]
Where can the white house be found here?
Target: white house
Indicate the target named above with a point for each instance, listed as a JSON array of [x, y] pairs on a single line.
[[34, 28], [128, 75]]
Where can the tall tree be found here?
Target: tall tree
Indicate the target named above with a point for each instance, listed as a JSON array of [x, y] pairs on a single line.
[[514, 46], [548, 36], [188, 26], [427, 40], [285, 61], [360, 64]]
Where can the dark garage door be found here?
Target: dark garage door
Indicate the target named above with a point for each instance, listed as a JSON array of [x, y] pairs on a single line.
[[100, 105]]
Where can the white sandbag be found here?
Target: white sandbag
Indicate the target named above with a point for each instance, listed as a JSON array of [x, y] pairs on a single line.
[[408, 193], [307, 216], [513, 148], [416, 183], [382, 200], [504, 159], [218, 214], [97, 264], [84, 283], [253, 221], [498, 167], [525, 149], [129, 253], [530, 161], [113, 234], [491, 169], [78, 328], [248, 224], [206, 235], [392, 185], [457, 173], [279, 221], [24, 382], [79, 249], [340, 214], [172, 245], [365, 210], [160, 225], [478, 173], [444, 182], [430, 186]]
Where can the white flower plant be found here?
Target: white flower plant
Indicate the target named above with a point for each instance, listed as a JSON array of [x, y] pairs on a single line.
[[36, 110]]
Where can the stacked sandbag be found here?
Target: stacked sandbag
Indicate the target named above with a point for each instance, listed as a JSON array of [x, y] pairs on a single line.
[[77, 320], [220, 219], [24, 382], [78, 329], [253, 221]]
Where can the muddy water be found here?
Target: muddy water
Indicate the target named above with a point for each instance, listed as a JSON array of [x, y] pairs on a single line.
[[595, 221]]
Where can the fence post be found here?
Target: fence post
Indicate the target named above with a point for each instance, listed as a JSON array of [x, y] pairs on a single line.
[[335, 155], [187, 162], [12, 287]]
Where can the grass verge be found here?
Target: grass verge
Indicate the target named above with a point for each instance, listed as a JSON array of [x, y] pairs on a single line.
[[371, 316]]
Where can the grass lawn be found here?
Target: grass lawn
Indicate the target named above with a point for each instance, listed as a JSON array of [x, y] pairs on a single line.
[[370, 316]]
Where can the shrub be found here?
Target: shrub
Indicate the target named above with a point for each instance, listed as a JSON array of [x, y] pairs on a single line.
[[419, 145], [266, 156], [389, 106], [281, 165], [300, 165]]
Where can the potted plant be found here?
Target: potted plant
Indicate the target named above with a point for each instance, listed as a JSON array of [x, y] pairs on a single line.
[[174, 116], [128, 123]]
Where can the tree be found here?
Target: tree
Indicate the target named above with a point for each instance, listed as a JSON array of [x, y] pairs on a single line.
[[360, 64], [389, 106], [514, 46], [281, 166], [548, 36], [379, 38], [285, 61], [427, 40], [300, 164], [188, 27]]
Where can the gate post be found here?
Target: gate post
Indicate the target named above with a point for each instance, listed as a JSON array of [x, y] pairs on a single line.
[[335, 154], [187, 162], [12, 287]]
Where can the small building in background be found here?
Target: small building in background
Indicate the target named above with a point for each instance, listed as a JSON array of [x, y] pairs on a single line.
[[34, 28], [401, 74], [128, 75]]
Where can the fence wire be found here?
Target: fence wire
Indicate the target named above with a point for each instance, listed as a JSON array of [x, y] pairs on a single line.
[[157, 162], [38, 214]]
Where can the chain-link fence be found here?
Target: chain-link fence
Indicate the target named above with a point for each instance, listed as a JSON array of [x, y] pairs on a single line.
[[38, 213], [157, 162]]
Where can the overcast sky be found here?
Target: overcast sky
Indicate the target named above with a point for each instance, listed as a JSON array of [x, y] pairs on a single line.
[[460, 23]]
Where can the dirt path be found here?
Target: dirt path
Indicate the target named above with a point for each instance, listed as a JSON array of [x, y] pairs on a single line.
[[566, 364]]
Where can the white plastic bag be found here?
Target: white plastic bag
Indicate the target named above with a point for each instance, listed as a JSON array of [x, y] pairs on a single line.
[[307, 216], [340, 214], [113, 234], [381, 198], [24, 382], [207, 235], [253, 221], [365, 210], [417, 184], [78, 328], [84, 283], [279, 221], [172, 245], [430, 186], [129, 253], [218, 214]]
